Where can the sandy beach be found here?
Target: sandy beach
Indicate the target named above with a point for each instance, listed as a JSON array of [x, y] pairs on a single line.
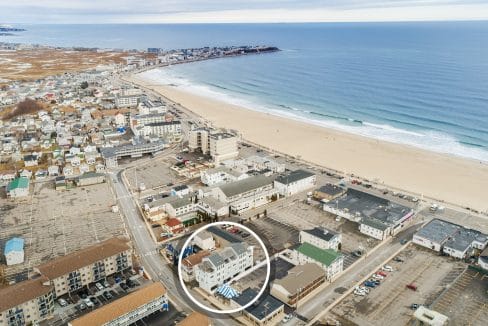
[[452, 179]]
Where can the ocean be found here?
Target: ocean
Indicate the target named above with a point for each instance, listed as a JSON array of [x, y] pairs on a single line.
[[419, 84]]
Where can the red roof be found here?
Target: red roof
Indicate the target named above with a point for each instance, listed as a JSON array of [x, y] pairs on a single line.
[[172, 222]]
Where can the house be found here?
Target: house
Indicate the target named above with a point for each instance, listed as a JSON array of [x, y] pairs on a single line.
[[204, 240], [293, 182], [128, 309], [14, 251], [221, 266], [90, 178], [221, 174], [31, 160], [328, 192], [27, 302], [18, 187], [173, 226], [180, 190], [321, 237], [265, 311], [190, 263], [330, 260], [299, 282], [246, 194], [53, 170], [212, 207]]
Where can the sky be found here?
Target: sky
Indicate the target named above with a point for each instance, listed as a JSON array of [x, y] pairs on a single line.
[[237, 11]]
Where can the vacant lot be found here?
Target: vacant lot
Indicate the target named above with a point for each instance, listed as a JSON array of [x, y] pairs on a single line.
[[55, 223], [429, 272]]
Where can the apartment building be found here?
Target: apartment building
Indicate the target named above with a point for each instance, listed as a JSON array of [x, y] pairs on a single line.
[[220, 146], [221, 175], [321, 238], [189, 264], [128, 309], [72, 272], [222, 266], [155, 124], [26, 302], [246, 194], [127, 101], [293, 182], [330, 260]]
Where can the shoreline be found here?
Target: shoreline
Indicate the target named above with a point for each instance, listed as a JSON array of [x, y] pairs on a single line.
[[453, 179]]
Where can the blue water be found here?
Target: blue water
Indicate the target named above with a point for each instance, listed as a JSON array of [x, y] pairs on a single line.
[[421, 84]]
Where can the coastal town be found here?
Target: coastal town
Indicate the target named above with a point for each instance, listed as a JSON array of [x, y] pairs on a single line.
[[103, 180]]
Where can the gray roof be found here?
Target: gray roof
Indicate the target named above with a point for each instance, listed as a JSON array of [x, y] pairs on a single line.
[[224, 234], [293, 176], [374, 223], [322, 233], [331, 189], [216, 259], [239, 248], [248, 184], [462, 240], [300, 276], [438, 230], [265, 306]]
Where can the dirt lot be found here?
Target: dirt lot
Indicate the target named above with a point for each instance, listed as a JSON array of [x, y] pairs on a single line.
[[54, 223], [465, 302], [430, 272]]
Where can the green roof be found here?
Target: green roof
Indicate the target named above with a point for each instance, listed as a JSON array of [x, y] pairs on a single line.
[[323, 256], [18, 183]]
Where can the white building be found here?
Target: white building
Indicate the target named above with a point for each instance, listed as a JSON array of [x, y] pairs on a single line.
[[330, 260], [222, 266], [221, 174], [128, 309], [434, 234], [321, 238], [127, 101], [14, 251], [245, 194], [204, 240], [18, 187], [294, 182], [374, 228], [220, 146]]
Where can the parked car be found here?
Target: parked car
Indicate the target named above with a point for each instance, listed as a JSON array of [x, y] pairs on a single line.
[[94, 300], [106, 284], [107, 295], [62, 302], [287, 318], [412, 286], [370, 284], [88, 303], [99, 286], [414, 306], [82, 306], [124, 286], [382, 273], [398, 259], [377, 276], [130, 283], [387, 268]]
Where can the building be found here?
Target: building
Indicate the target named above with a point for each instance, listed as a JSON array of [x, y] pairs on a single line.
[[222, 266], [204, 240], [300, 281], [14, 251], [483, 259], [265, 311], [434, 234], [328, 192], [189, 263], [110, 155], [246, 194], [19, 187], [90, 178], [195, 319], [213, 207], [180, 190], [26, 302], [378, 217], [220, 146], [293, 182], [222, 237], [128, 309], [127, 101], [220, 175], [155, 124], [462, 243], [330, 260], [430, 317], [79, 269], [322, 238]]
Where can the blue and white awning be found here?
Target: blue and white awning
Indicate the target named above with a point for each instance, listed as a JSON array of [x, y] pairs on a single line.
[[227, 291]]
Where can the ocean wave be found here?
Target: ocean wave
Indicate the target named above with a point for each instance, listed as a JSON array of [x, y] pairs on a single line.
[[430, 140]]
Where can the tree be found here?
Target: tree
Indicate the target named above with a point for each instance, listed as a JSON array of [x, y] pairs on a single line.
[[84, 85]]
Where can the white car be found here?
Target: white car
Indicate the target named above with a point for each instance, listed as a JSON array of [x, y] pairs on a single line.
[[378, 276], [62, 302], [387, 268], [88, 303], [287, 318], [99, 286], [363, 288]]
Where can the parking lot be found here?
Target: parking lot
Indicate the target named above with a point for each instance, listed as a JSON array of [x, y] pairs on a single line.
[[153, 174], [465, 302], [275, 234], [55, 223], [96, 295], [429, 272]]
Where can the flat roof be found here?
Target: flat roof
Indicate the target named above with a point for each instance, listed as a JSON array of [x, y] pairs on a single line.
[[462, 240], [242, 186], [438, 230], [265, 306], [293, 176], [331, 189], [63, 265], [224, 234], [121, 306], [321, 233], [16, 294]]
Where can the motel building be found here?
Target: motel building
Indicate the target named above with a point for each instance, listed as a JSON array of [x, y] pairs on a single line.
[[128, 309]]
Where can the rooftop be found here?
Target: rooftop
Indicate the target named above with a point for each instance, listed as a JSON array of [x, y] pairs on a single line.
[[438, 230], [65, 264], [18, 183], [14, 244], [462, 240], [265, 306], [248, 184], [224, 234], [331, 189], [195, 259], [195, 319], [14, 295], [324, 256], [322, 233], [300, 277], [122, 306], [294, 176]]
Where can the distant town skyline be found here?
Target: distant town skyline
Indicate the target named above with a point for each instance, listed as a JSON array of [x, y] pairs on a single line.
[[239, 11]]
